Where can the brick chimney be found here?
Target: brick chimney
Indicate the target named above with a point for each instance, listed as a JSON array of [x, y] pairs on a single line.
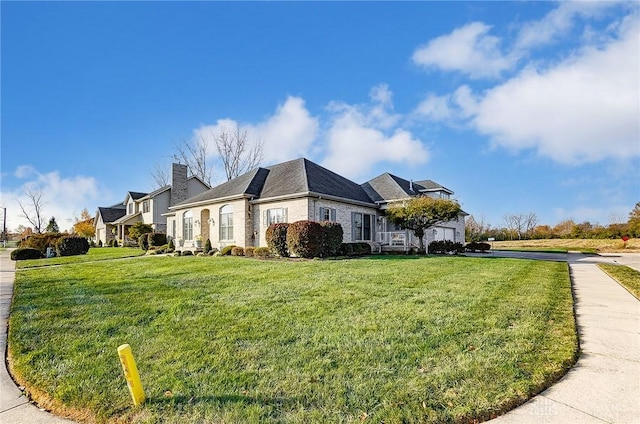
[[178, 183]]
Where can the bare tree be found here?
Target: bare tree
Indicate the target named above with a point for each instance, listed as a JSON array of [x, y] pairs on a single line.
[[160, 176], [194, 155], [521, 224], [34, 214], [236, 153]]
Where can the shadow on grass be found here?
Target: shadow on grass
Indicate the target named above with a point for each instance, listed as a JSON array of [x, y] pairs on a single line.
[[222, 400]]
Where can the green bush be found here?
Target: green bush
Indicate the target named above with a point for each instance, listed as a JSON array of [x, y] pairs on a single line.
[[248, 251], [207, 246], [237, 251], [226, 251], [354, 249], [24, 253], [72, 245], [138, 229], [332, 238], [304, 239], [172, 245], [445, 247], [276, 237], [115, 243], [143, 242], [262, 252], [99, 243], [40, 242], [474, 246], [156, 239]]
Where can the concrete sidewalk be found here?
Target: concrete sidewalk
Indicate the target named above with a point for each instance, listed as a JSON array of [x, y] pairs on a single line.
[[15, 408], [603, 387]]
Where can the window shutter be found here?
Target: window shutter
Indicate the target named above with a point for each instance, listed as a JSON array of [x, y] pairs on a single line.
[[265, 220], [333, 215], [284, 215], [353, 226]]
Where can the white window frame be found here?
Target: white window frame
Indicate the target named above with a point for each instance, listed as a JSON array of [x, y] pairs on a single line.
[[327, 214], [226, 223], [275, 216], [187, 225], [358, 232]]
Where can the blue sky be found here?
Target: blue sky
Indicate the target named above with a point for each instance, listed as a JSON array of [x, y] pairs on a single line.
[[517, 107]]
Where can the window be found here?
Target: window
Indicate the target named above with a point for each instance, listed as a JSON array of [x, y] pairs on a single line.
[[327, 214], [187, 225], [145, 206], [361, 226], [130, 208], [275, 216], [226, 222]]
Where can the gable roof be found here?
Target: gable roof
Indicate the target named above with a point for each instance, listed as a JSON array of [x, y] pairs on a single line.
[[135, 195], [388, 187], [112, 214]]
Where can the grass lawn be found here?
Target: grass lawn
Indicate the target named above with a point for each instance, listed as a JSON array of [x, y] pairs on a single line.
[[94, 254], [628, 277], [237, 340]]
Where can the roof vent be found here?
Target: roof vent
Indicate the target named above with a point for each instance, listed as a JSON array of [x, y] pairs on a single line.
[[411, 185]]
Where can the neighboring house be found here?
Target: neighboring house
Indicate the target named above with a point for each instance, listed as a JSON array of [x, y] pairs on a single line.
[[115, 221], [238, 212]]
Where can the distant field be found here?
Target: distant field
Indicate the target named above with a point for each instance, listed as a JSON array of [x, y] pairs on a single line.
[[633, 245]]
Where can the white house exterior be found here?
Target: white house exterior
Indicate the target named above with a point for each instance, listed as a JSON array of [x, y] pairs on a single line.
[[238, 212], [114, 222]]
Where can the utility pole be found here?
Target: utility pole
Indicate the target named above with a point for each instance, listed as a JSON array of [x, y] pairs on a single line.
[[4, 226]]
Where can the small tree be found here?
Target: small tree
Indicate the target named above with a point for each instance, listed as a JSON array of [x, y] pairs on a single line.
[[84, 225], [138, 229], [421, 213], [34, 216], [276, 237], [52, 226]]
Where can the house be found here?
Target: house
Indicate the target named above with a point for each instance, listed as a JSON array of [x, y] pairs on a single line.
[[238, 212], [113, 222]]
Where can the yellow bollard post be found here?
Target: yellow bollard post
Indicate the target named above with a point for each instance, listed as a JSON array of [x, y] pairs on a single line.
[[131, 374]]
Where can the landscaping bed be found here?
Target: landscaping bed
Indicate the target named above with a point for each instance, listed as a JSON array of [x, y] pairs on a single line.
[[231, 339]]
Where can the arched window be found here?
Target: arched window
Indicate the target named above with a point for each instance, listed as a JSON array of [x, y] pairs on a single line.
[[187, 225], [226, 222]]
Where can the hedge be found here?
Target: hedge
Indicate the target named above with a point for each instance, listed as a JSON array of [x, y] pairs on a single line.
[[332, 238], [248, 251], [24, 253], [354, 249], [481, 246], [237, 251], [72, 245], [40, 242], [262, 252], [276, 237], [445, 247], [156, 239], [304, 239], [226, 251], [143, 242]]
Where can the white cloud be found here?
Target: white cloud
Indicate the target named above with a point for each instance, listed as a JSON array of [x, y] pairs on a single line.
[[461, 104], [469, 49], [362, 136], [287, 134], [64, 197], [584, 109]]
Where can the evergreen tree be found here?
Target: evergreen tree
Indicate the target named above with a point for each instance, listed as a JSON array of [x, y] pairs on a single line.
[[52, 227]]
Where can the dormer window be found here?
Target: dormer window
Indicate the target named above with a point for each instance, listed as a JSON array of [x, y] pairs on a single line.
[[130, 208]]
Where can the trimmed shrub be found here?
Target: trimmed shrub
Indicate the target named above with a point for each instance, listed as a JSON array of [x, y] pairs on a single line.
[[156, 239], [276, 237], [25, 253], [354, 249], [304, 239], [262, 252], [187, 253], [172, 246], [40, 242], [445, 247], [138, 229], [226, 251], [332, 238], [71, 246], [474, 246], [248, 251], [237, 251], [207, 246], [143, 242]]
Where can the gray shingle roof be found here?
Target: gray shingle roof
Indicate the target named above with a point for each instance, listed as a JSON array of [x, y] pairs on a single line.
[[135, 195], [246, 184], [112, 214], [386, 187], [302, 176]]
